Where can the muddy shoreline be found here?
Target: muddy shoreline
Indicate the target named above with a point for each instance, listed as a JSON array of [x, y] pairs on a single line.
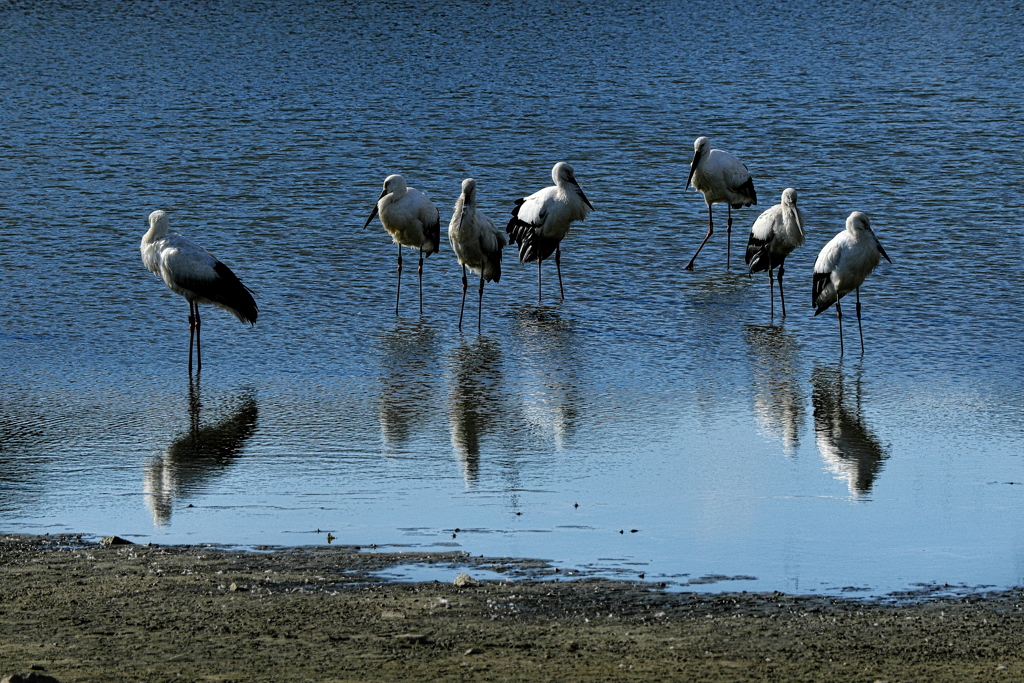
[[89, 612]]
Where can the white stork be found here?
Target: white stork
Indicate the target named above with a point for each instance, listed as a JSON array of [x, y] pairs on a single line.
[[720, 177], [776, 233], [540, 221], [477, 244], [842, 266], [191, 271], [411, 219]]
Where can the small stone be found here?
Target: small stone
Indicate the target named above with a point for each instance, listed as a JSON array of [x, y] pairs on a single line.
[[464, 580], [114, 540], [473, 651], [413, 638]]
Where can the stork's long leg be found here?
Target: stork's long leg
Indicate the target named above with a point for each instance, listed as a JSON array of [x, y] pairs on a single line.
[[771, 289], [398, 290], [711, 230], [199, 346], [480, 306], [465, 286], [839, 313], [859, 329], [191, 331], [538, 282], [782, 269], [420, 271], [558, 267], [728, 237]]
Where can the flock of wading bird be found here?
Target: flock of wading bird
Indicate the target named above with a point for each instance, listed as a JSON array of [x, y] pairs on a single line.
[[539, 224]]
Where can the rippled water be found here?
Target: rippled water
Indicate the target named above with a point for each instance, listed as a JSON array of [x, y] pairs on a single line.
[[652, 399]]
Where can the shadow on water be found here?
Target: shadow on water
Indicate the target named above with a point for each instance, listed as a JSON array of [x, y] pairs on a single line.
[[778, 400], [409, 355], [545, 351], [847, 446], [474, 399], [192, 459]]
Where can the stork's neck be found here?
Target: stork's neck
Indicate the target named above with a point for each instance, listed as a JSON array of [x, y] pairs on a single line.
[[157, 231], [395, 195]]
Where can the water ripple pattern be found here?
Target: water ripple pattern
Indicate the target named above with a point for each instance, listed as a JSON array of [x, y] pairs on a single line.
[[656, 421]]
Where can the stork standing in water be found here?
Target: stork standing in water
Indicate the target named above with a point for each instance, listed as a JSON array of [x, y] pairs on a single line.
[[842, 266], [540, 221], [412, 220], [477, 244], [191, 271], [775, 233], [720, 177]]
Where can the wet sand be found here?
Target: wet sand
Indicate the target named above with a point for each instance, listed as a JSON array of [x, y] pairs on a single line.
[[87, 612]]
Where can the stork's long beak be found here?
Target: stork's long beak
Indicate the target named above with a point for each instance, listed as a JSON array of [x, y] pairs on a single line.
[[693, 167], [582, 196], [373, 214], [882, 252]]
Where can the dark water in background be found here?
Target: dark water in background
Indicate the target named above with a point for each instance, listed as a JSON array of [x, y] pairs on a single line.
[[656, 399]]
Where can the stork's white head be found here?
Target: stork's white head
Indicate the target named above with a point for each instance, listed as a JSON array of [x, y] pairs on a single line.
[[562, 173], [701, 147], [158, 223], [858, 220], [564, 176], [394, 184], [468, 191], [789, 197]]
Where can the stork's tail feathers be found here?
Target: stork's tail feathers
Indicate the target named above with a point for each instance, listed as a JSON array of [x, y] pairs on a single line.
[[748, 191], [531, 245], [433, 234], [757, 255], [233, 296], [820, 298]]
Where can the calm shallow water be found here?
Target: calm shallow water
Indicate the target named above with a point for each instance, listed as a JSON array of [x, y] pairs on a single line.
[[653, 399]]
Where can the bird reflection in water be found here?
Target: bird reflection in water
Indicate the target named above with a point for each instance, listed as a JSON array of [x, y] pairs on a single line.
[[846, 445], [408, 383], [193, 458], [474, 399], [778, 401], [546, 354]]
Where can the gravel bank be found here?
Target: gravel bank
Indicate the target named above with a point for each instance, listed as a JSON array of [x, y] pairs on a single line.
[[89, 612]]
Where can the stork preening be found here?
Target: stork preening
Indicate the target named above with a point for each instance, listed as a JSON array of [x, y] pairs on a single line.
[[842, 266], [776, 233], [191, 271], [720, 177], [477, 244], [412, 220], [540, 221]]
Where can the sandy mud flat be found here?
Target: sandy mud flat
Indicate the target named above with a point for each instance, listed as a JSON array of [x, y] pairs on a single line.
[[81, 611]]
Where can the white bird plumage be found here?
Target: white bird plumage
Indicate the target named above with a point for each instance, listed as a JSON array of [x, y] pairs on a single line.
[[477, 243], [720, 177], [194, 273], [843, 264], [775, 233], [411, 219], [540, 221]]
